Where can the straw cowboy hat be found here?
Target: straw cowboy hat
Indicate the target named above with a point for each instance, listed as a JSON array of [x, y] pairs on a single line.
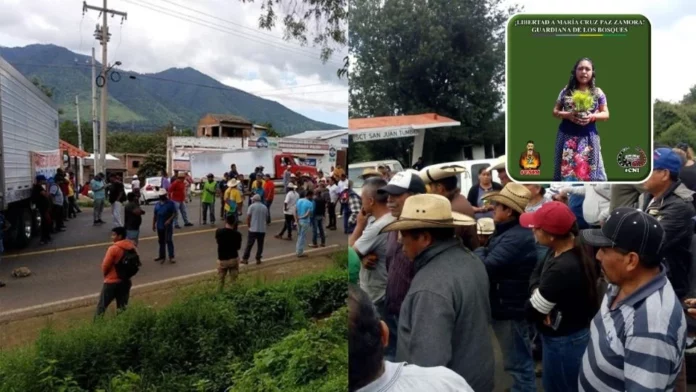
[[425, 211], [370, 172], [485, 226], [232, 183], [499, 164], [439, 171], [513, 195]]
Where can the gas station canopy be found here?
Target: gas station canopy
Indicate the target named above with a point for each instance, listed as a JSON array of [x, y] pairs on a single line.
[[390, 127]]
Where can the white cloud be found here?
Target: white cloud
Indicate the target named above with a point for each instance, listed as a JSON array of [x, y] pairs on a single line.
[[221, 40], [673, 31]]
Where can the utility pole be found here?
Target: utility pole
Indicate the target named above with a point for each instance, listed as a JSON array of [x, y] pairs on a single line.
[[103, 37], [80, 179], [95, 131]]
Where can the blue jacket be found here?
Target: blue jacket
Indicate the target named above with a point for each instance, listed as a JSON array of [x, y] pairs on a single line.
[[509, 258]]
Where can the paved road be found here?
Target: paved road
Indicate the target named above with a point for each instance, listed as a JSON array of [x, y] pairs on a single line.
[[70, 267]]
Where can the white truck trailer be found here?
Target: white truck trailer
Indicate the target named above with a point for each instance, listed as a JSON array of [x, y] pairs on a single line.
[[28, 145]]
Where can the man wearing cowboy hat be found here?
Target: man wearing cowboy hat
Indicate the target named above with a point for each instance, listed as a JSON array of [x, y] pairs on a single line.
[[499, 166], [442, 180], [233, 198], [369, 172], [509, 258], [445, 316], [289, 205]]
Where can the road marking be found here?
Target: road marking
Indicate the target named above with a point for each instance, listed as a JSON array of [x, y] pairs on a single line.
[[3, 315], [86, 246]]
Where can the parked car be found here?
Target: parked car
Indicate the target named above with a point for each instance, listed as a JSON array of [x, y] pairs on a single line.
[[150, 189]]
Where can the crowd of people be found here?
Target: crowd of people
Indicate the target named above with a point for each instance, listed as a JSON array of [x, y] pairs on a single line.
[[593, 278], [307, 202]]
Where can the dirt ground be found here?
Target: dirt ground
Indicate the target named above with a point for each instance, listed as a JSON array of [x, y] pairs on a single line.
[[26, 331]]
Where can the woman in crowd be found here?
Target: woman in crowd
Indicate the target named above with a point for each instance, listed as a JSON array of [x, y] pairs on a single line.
[[563, 295]]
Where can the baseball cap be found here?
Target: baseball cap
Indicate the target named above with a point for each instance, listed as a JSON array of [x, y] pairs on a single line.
[[666, 159], [553, 217], [403, 182], [629, 229]]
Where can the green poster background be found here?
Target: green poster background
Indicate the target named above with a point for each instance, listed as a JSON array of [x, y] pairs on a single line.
[[538, 67]]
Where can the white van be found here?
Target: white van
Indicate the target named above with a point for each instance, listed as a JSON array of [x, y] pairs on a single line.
[[355, 170], [468, 179]]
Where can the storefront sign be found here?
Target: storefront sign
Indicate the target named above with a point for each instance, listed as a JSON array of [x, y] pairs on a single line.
[[366, 136]]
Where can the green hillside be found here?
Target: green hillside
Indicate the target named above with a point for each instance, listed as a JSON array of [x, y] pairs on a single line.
[[148, 102]]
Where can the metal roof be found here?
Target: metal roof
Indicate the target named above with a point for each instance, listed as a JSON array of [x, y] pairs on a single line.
[[321, 135]]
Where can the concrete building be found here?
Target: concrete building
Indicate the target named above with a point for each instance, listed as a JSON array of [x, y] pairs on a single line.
[[224, 125]]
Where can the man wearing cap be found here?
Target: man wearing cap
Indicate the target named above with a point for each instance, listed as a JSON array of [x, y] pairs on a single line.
[[509, 258], [208, 198], [637, 338], [443, 181], [257, 215], [399, 268], [177, 194], [445, 315], [670, 202]]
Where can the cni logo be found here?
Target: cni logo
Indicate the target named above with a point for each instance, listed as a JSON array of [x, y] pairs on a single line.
[[631, 160]]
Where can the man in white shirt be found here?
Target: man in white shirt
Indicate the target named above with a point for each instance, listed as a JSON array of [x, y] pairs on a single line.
[[289, 210], [343, 183], [367, 369], [333, 196]]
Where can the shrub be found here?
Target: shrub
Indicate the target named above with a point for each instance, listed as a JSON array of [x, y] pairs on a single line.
[[190, 345], [312, 359]]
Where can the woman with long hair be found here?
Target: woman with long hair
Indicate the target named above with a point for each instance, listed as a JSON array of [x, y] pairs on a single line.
[[563, 295], [580, 105]]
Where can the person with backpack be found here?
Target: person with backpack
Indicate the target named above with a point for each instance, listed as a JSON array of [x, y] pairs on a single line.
[[120, 264]]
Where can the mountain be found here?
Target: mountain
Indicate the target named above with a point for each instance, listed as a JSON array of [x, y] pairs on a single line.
[[148, 101]]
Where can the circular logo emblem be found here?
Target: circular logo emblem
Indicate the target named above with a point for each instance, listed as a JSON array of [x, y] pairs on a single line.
[[261, 142], [631, 158], [332, 152]]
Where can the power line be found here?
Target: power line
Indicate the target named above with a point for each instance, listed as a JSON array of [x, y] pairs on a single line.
[[227, 88], [227, 30], [225, 21]]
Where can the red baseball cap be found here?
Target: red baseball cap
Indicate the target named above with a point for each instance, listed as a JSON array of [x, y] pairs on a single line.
[[553, 217]]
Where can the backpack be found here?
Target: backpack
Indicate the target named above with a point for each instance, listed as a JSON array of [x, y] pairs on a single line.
[[129, 264]]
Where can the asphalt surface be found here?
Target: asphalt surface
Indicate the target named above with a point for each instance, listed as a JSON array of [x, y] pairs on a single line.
[[70, 266]]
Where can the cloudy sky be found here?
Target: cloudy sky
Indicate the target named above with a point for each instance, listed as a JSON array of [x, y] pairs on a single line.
[[217, 37], [673, 31]]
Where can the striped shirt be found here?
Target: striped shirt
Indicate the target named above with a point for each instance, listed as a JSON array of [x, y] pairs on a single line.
[[639, 345]]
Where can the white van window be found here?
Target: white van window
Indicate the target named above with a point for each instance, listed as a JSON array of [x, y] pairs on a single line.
[[475, 171]]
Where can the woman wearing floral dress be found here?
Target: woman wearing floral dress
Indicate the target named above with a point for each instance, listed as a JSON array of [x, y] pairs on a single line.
[[578, 154]]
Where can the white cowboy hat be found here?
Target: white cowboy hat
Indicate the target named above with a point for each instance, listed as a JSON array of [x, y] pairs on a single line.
[[232, 183], [513, 195], [439, 171], [162, 192], [485, 226], [135, 176], [291, 185], [370, 172], [499, 164], [425, 211]]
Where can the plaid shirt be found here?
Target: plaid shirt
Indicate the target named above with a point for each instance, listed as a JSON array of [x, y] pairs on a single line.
[[355, 205]]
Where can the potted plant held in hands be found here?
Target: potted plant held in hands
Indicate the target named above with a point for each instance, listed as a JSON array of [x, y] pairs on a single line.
[[583, 101]]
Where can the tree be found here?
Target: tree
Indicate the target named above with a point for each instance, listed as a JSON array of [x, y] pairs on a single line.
[[45, 89], [68, 132], [442, 56], [270, 131], [690, 97], [321, 22]]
